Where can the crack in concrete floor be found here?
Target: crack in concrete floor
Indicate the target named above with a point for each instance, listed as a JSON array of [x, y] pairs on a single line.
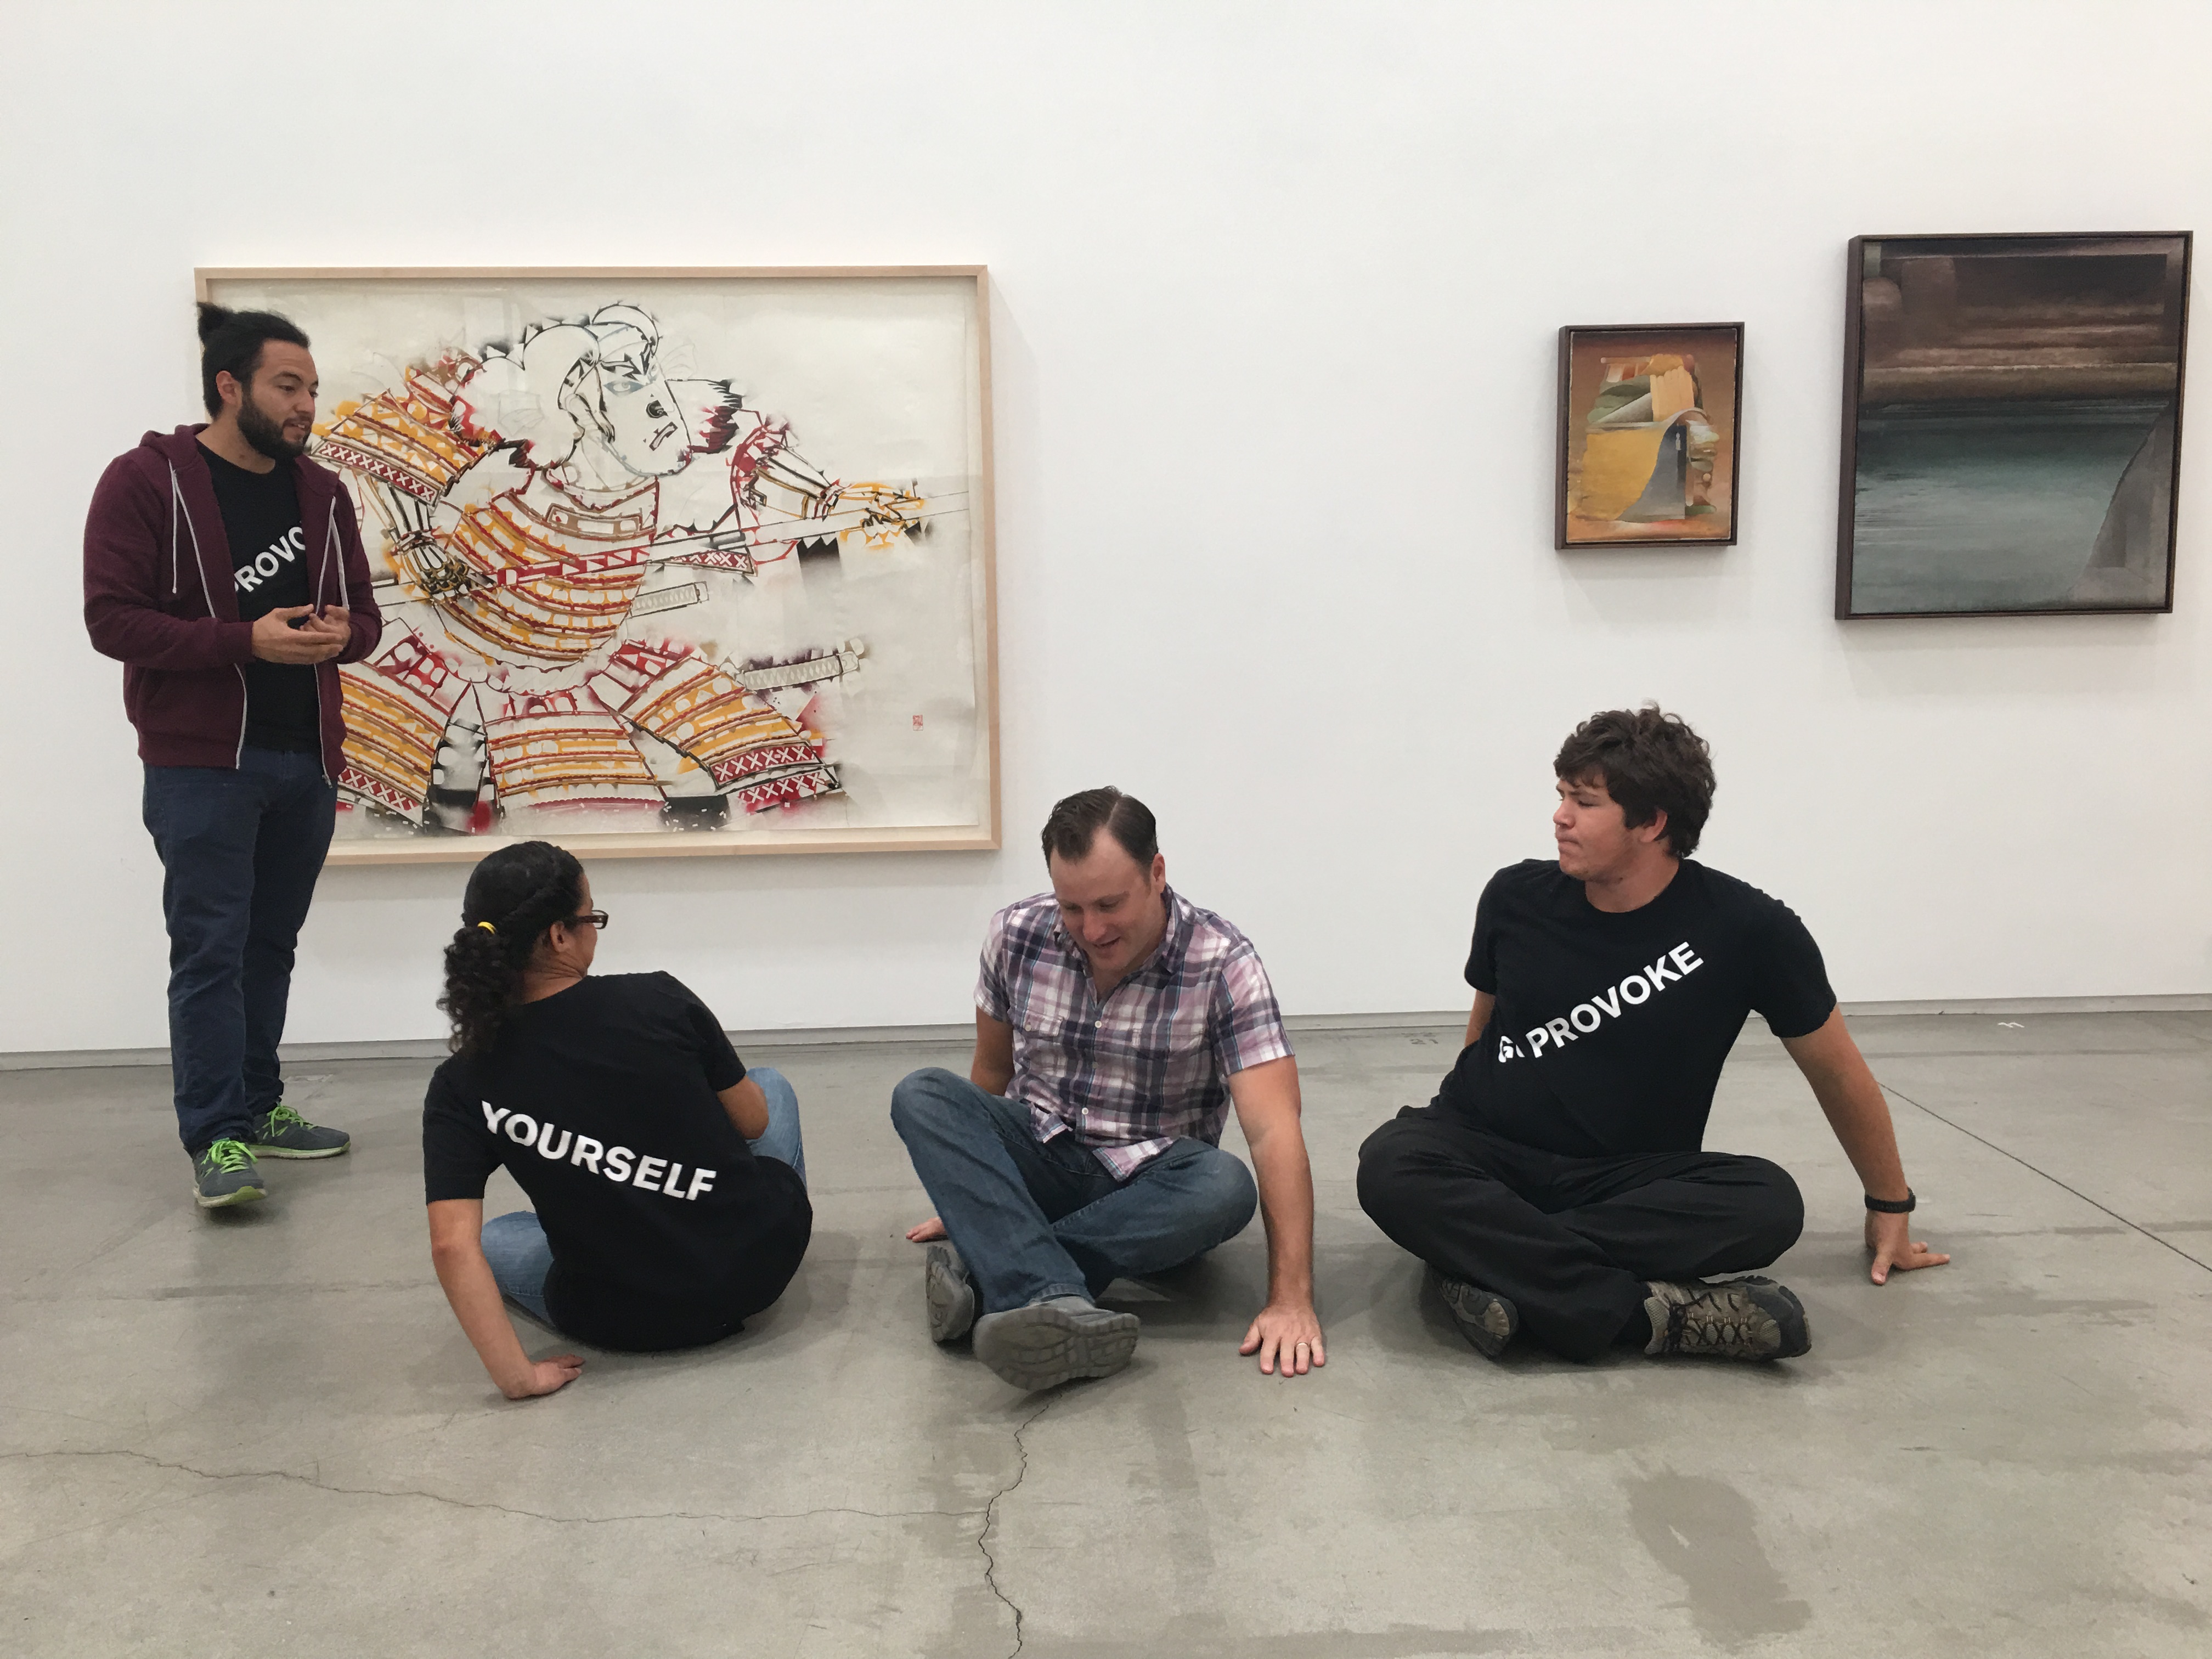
[[293, 1475], [990, 1520], [988, 1514]]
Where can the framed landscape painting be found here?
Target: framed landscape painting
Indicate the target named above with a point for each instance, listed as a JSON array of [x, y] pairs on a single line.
[[2011, 425], [1649, 426], [671, 561]]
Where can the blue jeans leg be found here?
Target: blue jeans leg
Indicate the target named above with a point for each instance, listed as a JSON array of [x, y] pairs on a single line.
[[993, 1182], [240, 852], [288, 857], [520, 1258], [780, 1140], [1178, 1207]]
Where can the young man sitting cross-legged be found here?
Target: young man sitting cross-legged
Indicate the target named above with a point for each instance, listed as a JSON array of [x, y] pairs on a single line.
[[1556, 1184], [1114, 1024]]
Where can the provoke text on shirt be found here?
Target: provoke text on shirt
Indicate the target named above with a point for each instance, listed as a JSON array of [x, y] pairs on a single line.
[[1585, 1017], [587, 1153]]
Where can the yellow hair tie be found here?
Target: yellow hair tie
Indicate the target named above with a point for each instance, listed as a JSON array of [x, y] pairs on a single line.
[[488, 928]]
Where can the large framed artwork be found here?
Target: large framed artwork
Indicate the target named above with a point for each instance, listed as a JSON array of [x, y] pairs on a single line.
[[1651, 423], [671, 561], [2011, 425]]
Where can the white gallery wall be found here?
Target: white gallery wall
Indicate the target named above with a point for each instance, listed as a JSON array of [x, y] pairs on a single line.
[[1276, 294]]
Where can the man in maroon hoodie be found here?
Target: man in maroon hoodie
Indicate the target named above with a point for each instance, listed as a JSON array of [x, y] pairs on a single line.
[[224, 570]]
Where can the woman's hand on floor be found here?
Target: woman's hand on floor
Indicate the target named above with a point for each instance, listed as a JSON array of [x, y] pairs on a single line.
[[544, 1376], [929, 1229]]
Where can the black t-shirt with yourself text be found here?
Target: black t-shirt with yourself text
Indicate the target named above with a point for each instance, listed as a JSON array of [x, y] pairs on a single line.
[[1610, 1029], [666, 1230], [267, 557]]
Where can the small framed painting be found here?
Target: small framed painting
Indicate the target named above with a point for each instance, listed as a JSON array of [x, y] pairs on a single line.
[[1651, 424], [2011, 425]]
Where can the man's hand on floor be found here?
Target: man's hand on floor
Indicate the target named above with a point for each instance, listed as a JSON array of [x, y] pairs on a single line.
[[1289, 1333], [1890, 1238], [931, 1229]]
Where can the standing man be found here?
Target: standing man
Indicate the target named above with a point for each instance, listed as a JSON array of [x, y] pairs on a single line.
[[223, 569], [1557, 1181], [1114, 1024]]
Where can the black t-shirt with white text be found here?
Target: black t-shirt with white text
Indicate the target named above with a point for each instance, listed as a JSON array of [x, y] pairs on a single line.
[[1610, 1028], [666, 1230], [267, 557]]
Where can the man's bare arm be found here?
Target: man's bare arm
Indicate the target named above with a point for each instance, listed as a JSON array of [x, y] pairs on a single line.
[[1287, 1332], [1859, 1114], [1479, 1020], [992, 1068]]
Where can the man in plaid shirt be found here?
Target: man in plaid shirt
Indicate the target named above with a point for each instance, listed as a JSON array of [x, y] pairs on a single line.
[[1116, 1023]]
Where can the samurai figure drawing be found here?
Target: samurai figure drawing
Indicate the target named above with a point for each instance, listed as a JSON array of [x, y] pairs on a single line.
[[541, 505]]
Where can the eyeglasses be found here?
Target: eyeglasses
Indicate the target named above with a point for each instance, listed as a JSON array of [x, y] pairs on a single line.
[[589, 919]]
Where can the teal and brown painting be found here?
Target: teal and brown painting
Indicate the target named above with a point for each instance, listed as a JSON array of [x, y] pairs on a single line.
[[1648, 435], [2012, 423]]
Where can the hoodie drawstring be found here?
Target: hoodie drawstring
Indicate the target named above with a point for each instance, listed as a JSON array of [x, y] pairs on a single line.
[[199, 563]]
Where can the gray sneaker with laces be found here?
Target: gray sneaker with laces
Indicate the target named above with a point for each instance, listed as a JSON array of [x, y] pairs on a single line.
[[1484, 1317], [948, 1292], [1048, 1343], [226, 1174], [282, 1133], [1747, 1318]]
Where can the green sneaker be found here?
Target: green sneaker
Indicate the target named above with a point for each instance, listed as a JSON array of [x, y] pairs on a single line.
[[284, 1133], [226, 1174]]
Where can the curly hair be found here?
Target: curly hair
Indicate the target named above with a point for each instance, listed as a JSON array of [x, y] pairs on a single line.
[[521, 891], [1649, 761]]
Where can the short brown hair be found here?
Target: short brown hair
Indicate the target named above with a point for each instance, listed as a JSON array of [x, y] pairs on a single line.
[[1651, 762], [1076, 821]]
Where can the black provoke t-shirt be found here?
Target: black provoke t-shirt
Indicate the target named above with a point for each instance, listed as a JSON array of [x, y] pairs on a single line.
[[666, 1230], [1610, 1028], [269, 566]]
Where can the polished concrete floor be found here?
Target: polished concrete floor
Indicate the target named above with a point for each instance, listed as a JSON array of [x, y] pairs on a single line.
[[261, 1432]]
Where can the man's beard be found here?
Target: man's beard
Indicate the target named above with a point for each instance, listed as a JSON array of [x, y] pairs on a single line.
[[265, 435]]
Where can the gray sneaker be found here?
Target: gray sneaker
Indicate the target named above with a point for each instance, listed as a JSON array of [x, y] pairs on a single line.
[[1747, 1318], [1484, 1317], [226, 1174], [284, 1133], [1048, 1343], [948, 1292]]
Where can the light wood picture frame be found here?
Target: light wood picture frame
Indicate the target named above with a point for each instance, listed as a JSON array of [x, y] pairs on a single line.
[[674, 561]]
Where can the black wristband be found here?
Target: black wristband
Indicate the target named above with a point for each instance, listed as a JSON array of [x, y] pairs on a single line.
[[1891, 1205]]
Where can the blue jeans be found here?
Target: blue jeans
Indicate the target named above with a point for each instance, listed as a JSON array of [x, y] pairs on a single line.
[[1034, 1219], [239, 851], [515, 1244]]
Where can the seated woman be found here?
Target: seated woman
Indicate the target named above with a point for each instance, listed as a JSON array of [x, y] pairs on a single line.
[[670, 1185]]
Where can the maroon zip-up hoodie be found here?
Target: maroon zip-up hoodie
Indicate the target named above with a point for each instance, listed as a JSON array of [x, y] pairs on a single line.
[[159, 597]]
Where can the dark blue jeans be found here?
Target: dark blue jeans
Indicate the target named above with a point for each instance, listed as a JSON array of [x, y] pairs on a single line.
[[515, 1244], [240, 851], [1034, 1219]]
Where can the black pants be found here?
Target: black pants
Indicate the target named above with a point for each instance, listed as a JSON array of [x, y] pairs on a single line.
[[1571, 1241]]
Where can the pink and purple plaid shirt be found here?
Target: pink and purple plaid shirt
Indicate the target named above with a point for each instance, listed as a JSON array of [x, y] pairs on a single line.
[[1127, 1076]]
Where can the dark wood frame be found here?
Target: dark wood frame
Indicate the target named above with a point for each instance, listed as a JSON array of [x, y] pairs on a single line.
[[1854, 371], [1735, 438]]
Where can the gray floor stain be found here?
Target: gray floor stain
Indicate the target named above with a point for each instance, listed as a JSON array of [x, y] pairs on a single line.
[[1704, 1532]]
